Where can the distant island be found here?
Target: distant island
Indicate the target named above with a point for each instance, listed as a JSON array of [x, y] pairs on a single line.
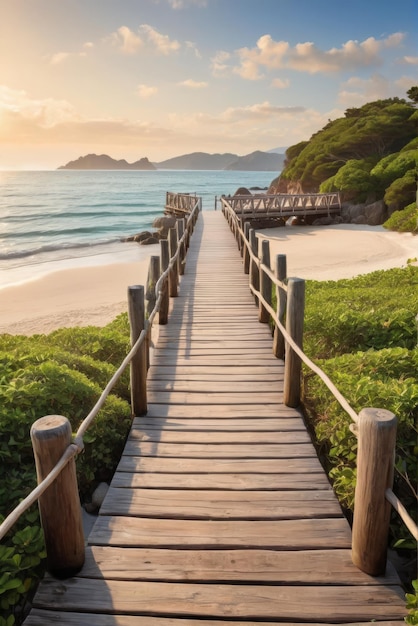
[[255, 162]]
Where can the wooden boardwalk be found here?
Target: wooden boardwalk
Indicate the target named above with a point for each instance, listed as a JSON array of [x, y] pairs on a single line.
[[219, 510]]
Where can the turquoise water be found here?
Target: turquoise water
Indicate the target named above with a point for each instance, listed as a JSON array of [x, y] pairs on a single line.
[[61, 219]]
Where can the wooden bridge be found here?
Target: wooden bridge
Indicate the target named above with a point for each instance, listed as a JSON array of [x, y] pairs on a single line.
[[219, 511], [279, 207]]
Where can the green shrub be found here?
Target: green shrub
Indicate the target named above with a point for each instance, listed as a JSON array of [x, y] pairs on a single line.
[[405, 220], [61, 373], [363, 333]]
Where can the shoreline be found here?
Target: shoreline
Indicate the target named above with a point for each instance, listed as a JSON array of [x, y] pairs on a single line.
[[96, 294]]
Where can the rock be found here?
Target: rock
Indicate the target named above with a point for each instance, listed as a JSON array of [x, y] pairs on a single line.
[[350, 212], [360, 219], [99, 495], [376, 213], [323, 221], [150, 241], [164, 222], [243, 191]]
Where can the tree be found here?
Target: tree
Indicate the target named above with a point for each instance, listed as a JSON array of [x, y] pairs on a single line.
[[412, 94]]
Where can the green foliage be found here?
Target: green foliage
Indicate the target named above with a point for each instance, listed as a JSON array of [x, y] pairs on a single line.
[[405, 220], [361, 154], [62, 373], [363, 333], [412, 605], [412, 93], [402, 191]]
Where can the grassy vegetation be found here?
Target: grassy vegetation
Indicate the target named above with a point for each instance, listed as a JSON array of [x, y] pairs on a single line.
[[363, 333], [51, 374]]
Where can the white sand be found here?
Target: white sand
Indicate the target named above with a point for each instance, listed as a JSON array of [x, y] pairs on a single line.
[[72, 297], [95, 295], [343, 251]]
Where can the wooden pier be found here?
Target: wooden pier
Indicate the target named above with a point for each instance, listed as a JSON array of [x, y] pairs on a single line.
[[219, 511]]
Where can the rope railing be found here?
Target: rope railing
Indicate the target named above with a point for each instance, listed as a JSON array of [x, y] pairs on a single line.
[[77, 445], [375, 429]]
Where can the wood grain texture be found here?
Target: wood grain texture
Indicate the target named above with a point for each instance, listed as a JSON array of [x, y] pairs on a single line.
[[232, 601]]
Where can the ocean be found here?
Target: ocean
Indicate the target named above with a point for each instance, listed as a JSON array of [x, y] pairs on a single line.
[[53, 220]]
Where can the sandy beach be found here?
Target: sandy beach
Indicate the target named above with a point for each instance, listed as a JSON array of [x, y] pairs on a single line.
[[95, 295]]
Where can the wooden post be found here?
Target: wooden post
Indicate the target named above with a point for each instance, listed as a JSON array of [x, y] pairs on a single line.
[[376, 431], [254, 273], [294, 326], [265, 282], [153, 276], [280, 271], [165, 301], [172, 241], [59, 505], [246, 253], [182, 253], [139, 363]]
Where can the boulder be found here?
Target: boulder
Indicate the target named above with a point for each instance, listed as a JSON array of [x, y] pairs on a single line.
[[243, 191], [376, 213], [153, 239], [360, 219]]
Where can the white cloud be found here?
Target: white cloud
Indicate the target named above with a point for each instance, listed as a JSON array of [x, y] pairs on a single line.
[[192, 46], [410, 60], [162, 43], [146, 91], [219, 64], [357, 91], [406, 82], [280, 83], [21, 110], [126, 40], [270, 55], [193, 84]]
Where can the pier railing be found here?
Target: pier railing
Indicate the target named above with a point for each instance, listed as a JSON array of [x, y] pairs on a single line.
[[283, 205], [179, 204], [374, 428], [54, 446]]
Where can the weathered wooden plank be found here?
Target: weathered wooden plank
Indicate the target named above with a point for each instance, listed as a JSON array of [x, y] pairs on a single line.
[[215, 387], [207, 504], [244, 425], [238, 482], [310, 465], [223, 411], [233, 601], [235, 438], [214, 373], [235, 361], [332, 566], [184, 397], [38, 617], [220, 451], [303, 534]]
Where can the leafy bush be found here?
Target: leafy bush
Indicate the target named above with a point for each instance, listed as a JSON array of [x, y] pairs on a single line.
[[60, 373], [363, 334], [404, 221]]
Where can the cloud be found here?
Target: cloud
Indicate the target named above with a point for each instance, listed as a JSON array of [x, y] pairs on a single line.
[[130, 42], [126, 40], [357, 91], [409, 60], [270, 55], [162, 43], [192, 46], [17, 105], [280, 83], [146, 91], [193, 84], [219, 64], [406, 82]]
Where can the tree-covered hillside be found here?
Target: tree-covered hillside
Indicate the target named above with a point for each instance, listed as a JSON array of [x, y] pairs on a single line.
[[370, 154]]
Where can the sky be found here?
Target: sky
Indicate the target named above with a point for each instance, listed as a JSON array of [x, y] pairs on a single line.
[[162, 78]]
